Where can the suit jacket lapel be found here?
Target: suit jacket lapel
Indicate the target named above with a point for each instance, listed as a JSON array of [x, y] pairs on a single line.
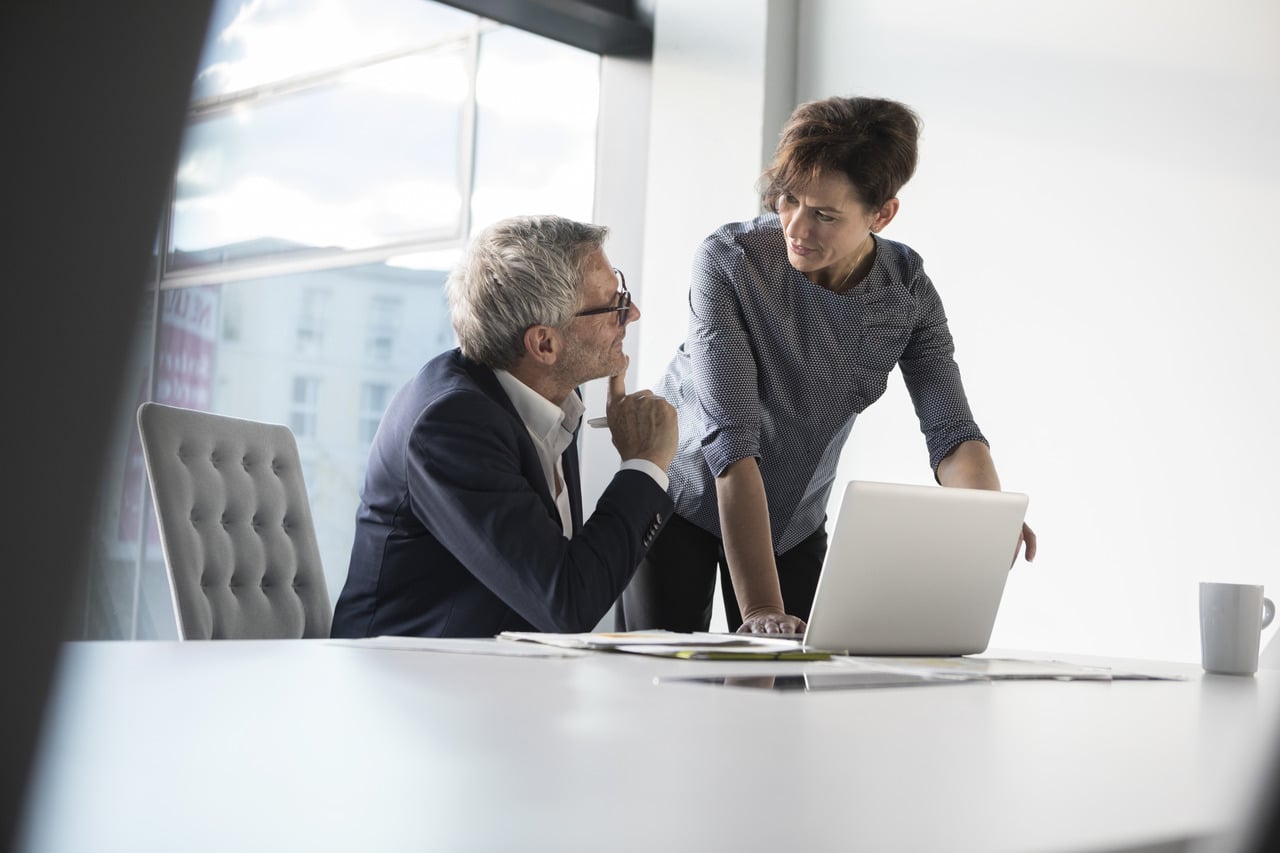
[[488, 382]]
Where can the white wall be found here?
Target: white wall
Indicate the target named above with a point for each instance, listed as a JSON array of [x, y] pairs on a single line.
[[622, 141], [1095, 202], [722, 82], [670, 174]]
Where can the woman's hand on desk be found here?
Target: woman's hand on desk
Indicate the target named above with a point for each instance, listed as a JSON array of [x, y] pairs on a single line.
[[1026, 544], [771, 622], [969, 465]]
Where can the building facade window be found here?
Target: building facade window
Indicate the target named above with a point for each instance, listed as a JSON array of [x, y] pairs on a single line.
[[374, 397], [311, 319], [380, 337], [304, 407], [337, 156]]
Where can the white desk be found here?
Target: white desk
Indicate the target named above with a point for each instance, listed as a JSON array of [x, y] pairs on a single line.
[[281, 746]]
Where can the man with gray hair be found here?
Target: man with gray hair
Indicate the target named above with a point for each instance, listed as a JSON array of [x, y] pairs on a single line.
[[470, 519]]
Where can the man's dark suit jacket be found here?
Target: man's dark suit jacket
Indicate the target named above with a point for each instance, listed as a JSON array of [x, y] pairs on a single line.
[[457, 534]]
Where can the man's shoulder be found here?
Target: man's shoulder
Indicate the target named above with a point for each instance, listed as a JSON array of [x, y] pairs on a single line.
[[451, 367], [451, 372], [449, 385]]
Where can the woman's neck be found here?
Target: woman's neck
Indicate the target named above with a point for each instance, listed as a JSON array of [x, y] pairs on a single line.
[[841, 280]]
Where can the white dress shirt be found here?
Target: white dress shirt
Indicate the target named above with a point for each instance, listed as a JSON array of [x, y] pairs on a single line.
[[551, 427]]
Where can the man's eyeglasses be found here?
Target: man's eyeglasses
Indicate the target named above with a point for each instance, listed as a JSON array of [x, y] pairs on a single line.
[[623, 306]]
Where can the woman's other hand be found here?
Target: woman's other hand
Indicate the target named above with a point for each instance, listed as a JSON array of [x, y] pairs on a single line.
[[1026, 543]]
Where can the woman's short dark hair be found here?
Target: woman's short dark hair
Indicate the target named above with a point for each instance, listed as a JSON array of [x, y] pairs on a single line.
[[871, 141]]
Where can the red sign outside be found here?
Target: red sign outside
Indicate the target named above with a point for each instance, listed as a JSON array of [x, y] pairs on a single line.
[[187, 348]]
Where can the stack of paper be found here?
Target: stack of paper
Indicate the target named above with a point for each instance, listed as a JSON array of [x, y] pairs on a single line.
[[672, 644]]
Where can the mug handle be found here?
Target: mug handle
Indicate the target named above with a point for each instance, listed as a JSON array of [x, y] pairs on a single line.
[[1268, 611]]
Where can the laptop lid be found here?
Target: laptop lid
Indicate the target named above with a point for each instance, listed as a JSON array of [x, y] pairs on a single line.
[[915, 570]]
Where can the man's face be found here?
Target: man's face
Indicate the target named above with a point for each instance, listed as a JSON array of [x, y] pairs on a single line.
[[593, 344]]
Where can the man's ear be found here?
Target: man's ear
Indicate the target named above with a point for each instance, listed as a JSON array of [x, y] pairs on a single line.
[[885, 215], [542, 343]]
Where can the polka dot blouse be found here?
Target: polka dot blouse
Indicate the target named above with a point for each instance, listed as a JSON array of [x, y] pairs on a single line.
[[775, 367]]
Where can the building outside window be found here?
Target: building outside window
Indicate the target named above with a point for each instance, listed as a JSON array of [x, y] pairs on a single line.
[[380, 339], [304, 410], [374, 397], [337, 156], [311, 320]]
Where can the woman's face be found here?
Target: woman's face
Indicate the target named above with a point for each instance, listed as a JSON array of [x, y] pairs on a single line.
[[826, 228]]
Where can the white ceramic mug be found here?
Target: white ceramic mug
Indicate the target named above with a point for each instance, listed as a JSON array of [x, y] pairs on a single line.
[[1232, 616]]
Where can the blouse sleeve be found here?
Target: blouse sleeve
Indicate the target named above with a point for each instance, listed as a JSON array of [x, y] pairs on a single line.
[[933, 378], [720, 351]]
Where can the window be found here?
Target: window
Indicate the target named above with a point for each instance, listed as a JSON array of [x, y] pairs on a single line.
[[380, 339], [303, 411], [336, 158], [374, 397], [187, 347], [232, 319], [311, 319]]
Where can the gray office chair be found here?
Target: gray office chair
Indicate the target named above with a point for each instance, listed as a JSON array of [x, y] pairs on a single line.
[[235, 526]]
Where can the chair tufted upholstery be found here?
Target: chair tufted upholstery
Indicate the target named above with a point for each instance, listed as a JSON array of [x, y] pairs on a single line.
[[235, 526]]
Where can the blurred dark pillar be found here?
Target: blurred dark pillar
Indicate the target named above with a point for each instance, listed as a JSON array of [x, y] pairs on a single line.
[[92, 114]]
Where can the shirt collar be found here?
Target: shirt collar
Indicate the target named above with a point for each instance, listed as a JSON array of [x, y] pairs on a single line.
[[541, 416]]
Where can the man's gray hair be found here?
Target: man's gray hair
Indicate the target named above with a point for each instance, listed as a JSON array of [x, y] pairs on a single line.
[[517, 273]]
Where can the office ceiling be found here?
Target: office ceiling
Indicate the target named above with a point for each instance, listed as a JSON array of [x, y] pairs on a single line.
[[607, 27]]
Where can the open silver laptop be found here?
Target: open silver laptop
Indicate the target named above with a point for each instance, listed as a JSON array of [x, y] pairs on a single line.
[[915, 570]]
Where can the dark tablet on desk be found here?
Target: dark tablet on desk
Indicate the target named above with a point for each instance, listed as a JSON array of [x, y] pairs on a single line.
[[810, 682]]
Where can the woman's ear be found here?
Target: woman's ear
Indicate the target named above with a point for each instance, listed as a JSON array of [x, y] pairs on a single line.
[[884, 215]]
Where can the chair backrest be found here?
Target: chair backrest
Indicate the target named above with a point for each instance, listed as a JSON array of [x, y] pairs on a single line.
[[235, 525]]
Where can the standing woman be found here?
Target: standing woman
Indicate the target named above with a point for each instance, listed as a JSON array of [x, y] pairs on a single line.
[[796, 319]]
